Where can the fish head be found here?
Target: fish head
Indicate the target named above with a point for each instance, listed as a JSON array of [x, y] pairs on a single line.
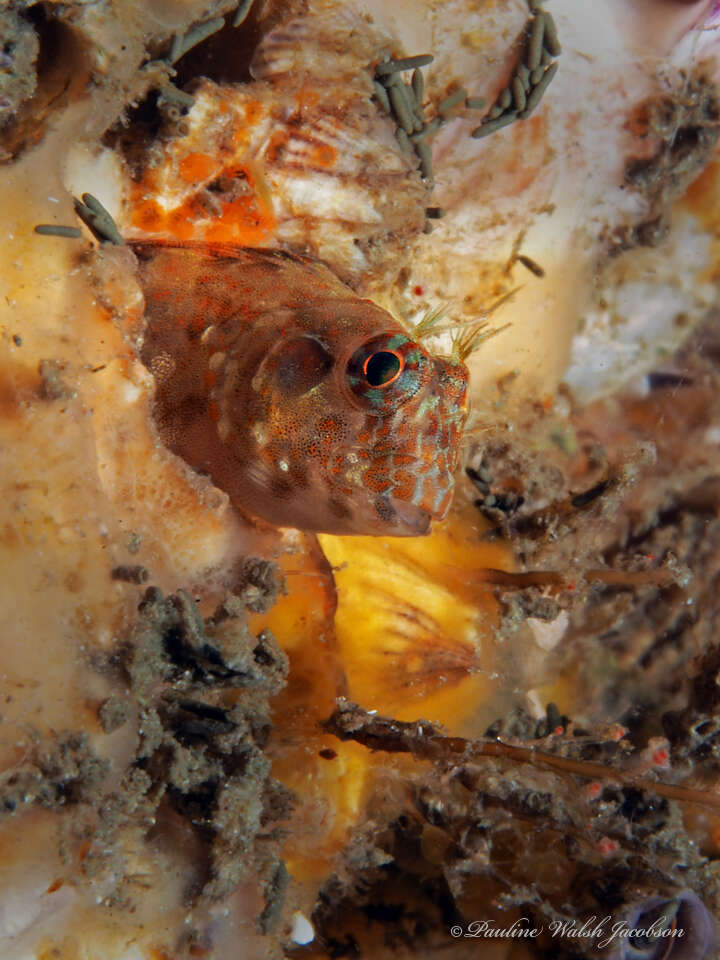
[[309, 406], [357, 426]]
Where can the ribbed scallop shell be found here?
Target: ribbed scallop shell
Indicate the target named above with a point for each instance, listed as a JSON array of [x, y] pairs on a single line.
[[323, 159]]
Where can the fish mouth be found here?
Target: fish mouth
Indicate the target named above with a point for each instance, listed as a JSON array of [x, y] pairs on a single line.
[[412, 520]]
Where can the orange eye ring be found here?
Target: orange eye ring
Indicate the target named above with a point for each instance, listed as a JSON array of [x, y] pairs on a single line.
[[382, 368], [385, 371]]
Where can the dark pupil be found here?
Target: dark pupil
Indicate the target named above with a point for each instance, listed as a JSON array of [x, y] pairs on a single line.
[[381, 367]]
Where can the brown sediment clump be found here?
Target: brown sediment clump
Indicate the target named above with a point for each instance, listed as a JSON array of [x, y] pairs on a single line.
[[497, 837], [195, 795]]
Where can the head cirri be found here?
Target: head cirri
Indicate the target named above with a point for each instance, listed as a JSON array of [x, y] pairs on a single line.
[[309, 406]]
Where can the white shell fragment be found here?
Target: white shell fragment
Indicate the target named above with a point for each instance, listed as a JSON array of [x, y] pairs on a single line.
[[302, 930]]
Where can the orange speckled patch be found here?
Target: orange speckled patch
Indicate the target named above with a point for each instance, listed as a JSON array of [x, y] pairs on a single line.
[[243, 221], [246, 221], [253, 112], [238, 211], [246, 116], [196, 166], [323, 155], [147, 215]]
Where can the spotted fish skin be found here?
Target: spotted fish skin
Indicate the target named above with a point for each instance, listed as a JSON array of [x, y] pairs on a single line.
[[309, 406]]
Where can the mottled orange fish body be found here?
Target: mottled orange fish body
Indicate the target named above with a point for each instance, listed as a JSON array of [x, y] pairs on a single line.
[[309, 406]]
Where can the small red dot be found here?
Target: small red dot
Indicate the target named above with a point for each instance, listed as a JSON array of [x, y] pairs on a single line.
[[660, 757], [607, 846], [559, 730], [418, 291]]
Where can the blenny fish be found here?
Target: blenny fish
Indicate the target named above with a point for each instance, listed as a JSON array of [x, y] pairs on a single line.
[[309, 406]]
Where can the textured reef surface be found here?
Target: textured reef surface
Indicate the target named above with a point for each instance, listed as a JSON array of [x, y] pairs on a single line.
[[360, 479]]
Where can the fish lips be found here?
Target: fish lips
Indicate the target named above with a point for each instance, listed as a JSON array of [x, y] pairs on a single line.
[[411, 520]]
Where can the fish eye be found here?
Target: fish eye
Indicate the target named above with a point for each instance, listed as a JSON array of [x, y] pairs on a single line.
[[383, 368], [386, 371]]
